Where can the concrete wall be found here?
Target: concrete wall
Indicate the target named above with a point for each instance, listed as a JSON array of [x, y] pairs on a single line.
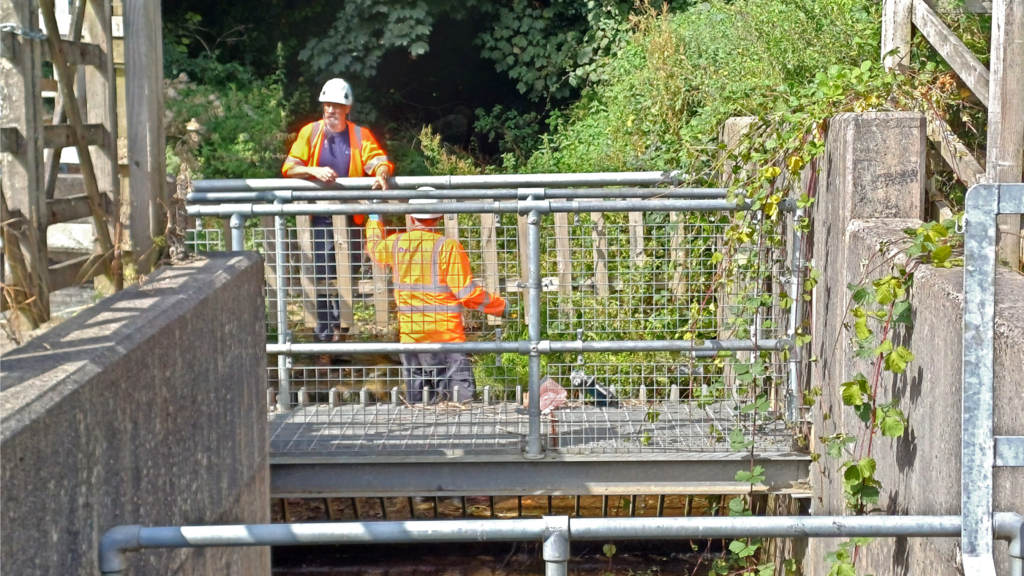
[[148, 408], [871, 189]]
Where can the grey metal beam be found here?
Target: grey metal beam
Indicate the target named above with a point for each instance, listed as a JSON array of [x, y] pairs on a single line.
[[324, 475], [482, 181], [459, 194]]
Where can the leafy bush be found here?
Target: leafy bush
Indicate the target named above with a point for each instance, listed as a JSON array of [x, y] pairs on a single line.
[[681, 76], [240, 117]]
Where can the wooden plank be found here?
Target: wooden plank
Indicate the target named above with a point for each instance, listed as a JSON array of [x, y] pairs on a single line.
[[1006, 115], [146, 155], [636, 237], [307, 276], [67, 273], [599, 235], [64, 76], [489, 248], [677, 254], [21, 181], [563, 253], [956, 155], [522, 232], [451, 226], [269, 227], [952, 50], [63, 135], [896, 32], [380, 296], [343, 264], [77, 53], [68, 209], [961, 6]]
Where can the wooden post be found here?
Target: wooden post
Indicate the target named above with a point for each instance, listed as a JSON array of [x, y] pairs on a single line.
[[636, 237], [524, 259], [600, 239], [896, 32], [451, 226], [307, 275], [489, 247], [101, 105], [270, 240], [563, 253], [677, 254], [21, 115], [343, 265], [146, 155], [1006, 115]]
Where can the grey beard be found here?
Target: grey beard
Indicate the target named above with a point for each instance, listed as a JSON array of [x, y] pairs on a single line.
[[340, 125]]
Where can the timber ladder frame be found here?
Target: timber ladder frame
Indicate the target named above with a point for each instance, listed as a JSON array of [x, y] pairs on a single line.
[[999, 88], [84, 118]]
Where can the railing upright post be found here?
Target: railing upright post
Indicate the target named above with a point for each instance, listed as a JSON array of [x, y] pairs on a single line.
[[284, 336], [795, 315], [534, 450], [555, 548], [237, 233]]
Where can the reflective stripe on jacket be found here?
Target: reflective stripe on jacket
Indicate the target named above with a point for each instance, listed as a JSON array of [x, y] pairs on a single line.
[[433, 283], [367, 155]]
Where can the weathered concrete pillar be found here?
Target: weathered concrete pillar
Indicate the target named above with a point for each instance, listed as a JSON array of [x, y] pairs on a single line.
[[147, 408], [874, 167]]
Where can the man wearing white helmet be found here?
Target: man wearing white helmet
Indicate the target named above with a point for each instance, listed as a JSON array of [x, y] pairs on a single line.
[[433, 285], [326, 150]]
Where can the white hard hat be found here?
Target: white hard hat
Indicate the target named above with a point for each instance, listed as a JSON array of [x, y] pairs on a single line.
[[336, 91], [425, 215]]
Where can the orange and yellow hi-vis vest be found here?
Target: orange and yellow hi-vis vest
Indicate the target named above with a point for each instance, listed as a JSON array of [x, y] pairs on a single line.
[[433, 283], [367, 157]]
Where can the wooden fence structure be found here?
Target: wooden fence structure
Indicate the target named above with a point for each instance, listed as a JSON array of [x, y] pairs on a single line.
[[78, 38], [999, 87]]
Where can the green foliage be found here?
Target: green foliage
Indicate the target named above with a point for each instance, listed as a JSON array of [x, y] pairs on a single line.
[[230, 122], [364, 30], [550, 48]]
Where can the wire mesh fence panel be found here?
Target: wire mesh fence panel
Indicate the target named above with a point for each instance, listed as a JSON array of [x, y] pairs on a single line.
[[605, 277], [662, 404], [370, 404]]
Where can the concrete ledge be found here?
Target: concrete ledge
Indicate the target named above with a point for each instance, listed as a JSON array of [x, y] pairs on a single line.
[[147, 408]]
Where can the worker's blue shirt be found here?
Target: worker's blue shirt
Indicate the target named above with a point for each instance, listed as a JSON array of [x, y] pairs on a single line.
[[336, 153]]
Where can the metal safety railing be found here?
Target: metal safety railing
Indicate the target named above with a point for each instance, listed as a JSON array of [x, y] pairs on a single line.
[[554, 532], [981, 449], [660, 286]]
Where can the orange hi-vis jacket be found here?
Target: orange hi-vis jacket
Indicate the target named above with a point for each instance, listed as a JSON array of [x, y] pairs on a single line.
[[433, 283], [367, 157]]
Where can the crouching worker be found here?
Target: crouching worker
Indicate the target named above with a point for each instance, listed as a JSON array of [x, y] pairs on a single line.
[[433, 284]]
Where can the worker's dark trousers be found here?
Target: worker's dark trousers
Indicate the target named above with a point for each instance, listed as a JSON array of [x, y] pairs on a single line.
[[449, 377], [325, 272]]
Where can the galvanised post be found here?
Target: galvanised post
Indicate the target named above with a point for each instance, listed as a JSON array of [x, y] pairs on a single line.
[[284, 336], [795, 315], [533, 444], [237, 233], [978, 447], [555, 547]]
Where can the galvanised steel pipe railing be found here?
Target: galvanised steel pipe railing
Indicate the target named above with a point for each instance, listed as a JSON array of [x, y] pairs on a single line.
[[652, 178], [448, 194], [526, 348], [530, 202], [555, 533], [500, 207]]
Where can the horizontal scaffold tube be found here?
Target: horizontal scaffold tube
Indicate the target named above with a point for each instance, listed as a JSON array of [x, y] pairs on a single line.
[[504, 207], [458, 194], [121, 539], [442, 182], [522, 347]]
